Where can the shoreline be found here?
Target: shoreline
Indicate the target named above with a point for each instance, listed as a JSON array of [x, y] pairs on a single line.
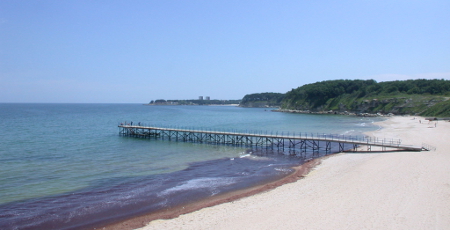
[[234, 105], [331, 112], [394, 190], [358, 114], [141, 221]]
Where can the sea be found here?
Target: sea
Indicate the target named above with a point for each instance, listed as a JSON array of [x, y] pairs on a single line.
[[65, 166]]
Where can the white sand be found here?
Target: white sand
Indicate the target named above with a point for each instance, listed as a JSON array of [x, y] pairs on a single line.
[[396, 190]]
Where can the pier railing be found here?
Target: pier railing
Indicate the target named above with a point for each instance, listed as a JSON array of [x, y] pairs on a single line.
[[305, 141]]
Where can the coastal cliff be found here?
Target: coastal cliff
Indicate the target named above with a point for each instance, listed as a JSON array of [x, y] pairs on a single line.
[[400, 105]]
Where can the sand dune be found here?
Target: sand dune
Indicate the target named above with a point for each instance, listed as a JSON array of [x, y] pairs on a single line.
[[395, 190]]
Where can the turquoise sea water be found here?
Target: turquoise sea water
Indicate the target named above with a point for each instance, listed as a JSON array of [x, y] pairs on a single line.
[[49, 151]]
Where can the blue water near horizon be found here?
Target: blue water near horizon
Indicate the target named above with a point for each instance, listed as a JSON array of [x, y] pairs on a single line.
[[68, 160]]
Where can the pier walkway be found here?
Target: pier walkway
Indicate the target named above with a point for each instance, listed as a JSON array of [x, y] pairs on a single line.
[[297, 141]]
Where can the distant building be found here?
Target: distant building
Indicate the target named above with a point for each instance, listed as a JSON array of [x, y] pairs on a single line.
[[207, 98], [200, 98]]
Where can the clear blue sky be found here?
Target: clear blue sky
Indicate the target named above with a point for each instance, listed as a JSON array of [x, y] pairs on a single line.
[[137, 51]]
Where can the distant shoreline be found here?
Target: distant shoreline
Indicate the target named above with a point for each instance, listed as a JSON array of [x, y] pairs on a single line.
[[345, 113], [193, 105], [334, 112]]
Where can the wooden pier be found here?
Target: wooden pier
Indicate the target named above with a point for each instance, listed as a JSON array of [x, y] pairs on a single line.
[[297, 141]]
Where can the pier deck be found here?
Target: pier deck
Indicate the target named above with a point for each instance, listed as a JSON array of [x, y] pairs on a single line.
[[301, 141]]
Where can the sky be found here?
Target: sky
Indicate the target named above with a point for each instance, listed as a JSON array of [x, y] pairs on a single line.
[[109, 51]]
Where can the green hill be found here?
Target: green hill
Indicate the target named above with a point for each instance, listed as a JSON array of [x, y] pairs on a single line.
[[423, 97], [262, 100]]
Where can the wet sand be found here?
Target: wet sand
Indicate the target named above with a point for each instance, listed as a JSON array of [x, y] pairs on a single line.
[[394, 190]]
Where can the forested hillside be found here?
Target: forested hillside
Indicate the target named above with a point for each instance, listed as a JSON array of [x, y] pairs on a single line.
[[425, 97]]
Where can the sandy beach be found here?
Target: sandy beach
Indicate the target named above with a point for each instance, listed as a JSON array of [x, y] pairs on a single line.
[[394, 190]]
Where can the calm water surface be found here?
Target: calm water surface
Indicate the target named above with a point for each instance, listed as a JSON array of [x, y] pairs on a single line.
[[62, 162]]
